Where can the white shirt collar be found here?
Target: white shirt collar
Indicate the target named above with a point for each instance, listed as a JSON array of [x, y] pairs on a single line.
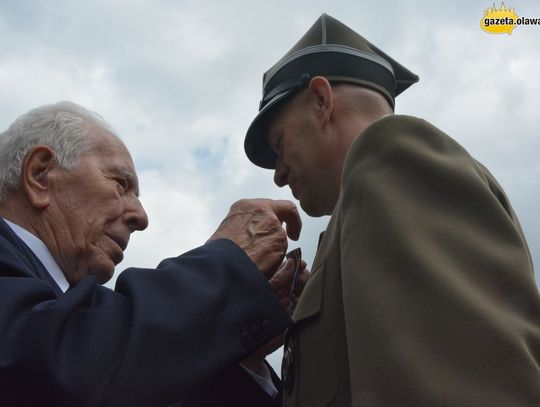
[[263, 379], [42, 253]]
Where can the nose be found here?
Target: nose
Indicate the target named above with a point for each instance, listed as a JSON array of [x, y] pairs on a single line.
[[135, 215], [280, 173]]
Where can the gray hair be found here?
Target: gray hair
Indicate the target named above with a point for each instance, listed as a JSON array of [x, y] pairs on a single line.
[[65, 127]]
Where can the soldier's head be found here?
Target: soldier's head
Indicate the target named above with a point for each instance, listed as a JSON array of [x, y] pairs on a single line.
[[316, 100]]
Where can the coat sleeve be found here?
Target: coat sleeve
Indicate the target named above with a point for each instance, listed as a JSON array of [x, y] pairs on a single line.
[[441, 307], [144, 344], [232, 387]]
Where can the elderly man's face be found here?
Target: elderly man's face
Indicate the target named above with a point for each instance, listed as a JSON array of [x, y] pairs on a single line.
[[93, 210]]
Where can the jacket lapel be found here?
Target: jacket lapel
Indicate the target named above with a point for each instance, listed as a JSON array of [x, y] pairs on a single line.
[[34, 264]]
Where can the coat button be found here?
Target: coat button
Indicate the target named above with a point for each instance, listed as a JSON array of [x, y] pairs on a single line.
[[257, 334], [268, 326], [247, 340]]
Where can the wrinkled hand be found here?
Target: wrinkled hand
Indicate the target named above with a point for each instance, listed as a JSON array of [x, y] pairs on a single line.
[[281, 281], [255, 226]]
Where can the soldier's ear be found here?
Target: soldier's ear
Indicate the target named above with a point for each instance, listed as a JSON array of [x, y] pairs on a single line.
[[321, 97], [37, 164]]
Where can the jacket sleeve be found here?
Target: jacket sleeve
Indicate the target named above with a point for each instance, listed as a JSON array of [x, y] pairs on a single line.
[[146, 343], [441, 307], [232, 387]]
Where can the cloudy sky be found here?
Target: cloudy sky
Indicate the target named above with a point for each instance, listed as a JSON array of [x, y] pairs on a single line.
[[180, 81]]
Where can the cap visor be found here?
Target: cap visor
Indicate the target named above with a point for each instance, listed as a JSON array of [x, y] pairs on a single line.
[[256, 144]]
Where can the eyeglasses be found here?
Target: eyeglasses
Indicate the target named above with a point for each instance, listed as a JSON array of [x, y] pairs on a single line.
[[296, 256]]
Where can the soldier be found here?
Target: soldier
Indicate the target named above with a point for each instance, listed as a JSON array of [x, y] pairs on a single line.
[[422, 290]]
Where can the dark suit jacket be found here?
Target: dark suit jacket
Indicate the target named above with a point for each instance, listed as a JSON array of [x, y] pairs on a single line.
[[232, 387], [158, 334]]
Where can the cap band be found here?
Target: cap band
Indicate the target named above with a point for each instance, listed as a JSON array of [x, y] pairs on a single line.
[[328, 63], [282, 87], [324, 48]]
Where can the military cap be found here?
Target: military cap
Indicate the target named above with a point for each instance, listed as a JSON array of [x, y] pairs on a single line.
[[329, 49]]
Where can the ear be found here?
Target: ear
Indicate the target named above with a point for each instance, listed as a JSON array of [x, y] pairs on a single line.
[[322, 98], [35, 175]]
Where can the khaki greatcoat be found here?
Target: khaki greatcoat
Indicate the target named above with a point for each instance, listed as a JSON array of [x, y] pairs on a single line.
[[422, 290]]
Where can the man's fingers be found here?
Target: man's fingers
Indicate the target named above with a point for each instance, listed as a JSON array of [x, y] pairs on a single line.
[[304, 277], [255, 225], [283, 276], [287, 212]]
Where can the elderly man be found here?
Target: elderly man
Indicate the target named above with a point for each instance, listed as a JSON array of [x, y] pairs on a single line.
[[69, 203], [422, 290]]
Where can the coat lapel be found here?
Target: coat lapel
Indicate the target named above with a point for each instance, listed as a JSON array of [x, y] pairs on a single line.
[[34, 264]]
